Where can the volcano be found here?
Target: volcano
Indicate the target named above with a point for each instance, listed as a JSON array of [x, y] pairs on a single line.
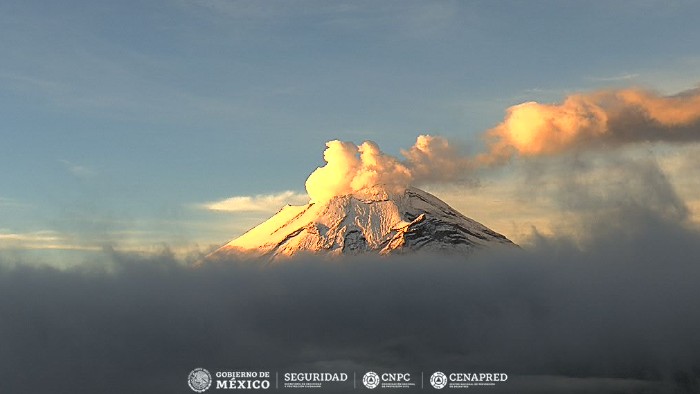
[[370, 221]]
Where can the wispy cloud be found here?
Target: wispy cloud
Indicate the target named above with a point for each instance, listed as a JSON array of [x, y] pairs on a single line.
[[614, 78], [78, 170], [28, 82], [257, 203], [40, 240], [11, 202]]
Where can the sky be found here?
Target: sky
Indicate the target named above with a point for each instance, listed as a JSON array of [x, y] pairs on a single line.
[[124, 124]]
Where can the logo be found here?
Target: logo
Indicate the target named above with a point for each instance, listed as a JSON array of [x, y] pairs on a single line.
[[314, 380], [370, 380], [244, 380], [438, 380], [199, 380]]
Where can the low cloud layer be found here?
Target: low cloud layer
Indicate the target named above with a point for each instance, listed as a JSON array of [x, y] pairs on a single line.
[[40, 240], [620, 314]]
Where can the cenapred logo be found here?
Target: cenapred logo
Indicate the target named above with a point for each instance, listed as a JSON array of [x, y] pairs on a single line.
[[438, 380], [199, 380], [370, 380]]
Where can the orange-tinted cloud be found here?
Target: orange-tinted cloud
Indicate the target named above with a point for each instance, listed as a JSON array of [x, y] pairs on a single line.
[[603, 117], [350, 168], [433, 159]]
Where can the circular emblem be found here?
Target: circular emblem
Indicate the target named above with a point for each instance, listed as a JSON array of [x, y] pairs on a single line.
[[199, 380], [438, 380], [370, 380]]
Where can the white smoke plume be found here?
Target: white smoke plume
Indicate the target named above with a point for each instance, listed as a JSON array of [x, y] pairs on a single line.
[[350, 168]]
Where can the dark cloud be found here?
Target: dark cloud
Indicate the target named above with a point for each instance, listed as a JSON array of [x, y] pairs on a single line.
[[592, 194], [622, 315], [676, 118]]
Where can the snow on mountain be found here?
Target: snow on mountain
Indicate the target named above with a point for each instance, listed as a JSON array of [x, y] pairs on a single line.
[[372, 220]]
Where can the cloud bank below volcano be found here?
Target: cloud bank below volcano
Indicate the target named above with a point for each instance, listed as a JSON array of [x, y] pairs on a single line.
[[620, 314]]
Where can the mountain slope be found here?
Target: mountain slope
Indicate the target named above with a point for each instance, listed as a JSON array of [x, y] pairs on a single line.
[[370, 221]]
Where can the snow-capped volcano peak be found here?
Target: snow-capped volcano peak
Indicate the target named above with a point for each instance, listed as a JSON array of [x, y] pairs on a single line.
[[373, 219]]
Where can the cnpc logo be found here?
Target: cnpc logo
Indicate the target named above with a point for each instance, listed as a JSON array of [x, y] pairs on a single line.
[[372, 379]]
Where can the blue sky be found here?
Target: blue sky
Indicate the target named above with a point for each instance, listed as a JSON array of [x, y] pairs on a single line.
[[120, 119]]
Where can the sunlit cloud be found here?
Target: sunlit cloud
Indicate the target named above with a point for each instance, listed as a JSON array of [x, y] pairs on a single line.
[[257, 203], [40, 236], [40, 240], [587, 120]]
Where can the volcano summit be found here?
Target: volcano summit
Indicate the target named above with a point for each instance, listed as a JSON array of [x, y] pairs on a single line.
[[372, 220]]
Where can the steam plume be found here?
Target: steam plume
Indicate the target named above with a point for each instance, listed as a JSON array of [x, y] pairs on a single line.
[[583, 120], [350, 168], [605, 117]]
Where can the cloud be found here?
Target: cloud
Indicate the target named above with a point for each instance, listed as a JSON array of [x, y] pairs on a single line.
[[40, 240], [583, 121], [36, 236], [620, 77], [257, 203], [352, 168], [621, 314], [612, 309], [545, 193], [589, 120], [12, 203], [78, 170], [434, 159]]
